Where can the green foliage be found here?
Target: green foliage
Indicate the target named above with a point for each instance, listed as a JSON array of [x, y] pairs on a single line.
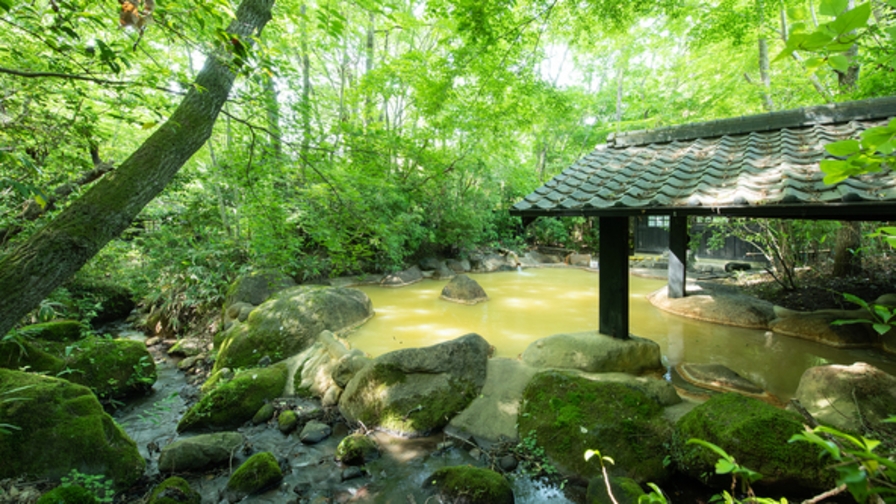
[[96, 484], [533, 460], [883, 317], [835, 36], [7, 397], [864, 472], [876, 147]]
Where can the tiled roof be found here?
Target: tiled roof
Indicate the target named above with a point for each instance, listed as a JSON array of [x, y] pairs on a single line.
[[759, 165]]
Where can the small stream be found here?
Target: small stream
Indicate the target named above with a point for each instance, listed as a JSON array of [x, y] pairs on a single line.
[[313, 474]]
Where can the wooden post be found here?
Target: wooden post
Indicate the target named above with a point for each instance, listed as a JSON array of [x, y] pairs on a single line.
[[678, 255], [613, 289]]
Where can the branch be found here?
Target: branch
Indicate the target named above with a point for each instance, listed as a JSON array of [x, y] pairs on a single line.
[[86, 78]]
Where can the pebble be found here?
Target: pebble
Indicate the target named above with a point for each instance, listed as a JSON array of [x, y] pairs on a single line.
[[351, 472], [508, 463], [314, 432]]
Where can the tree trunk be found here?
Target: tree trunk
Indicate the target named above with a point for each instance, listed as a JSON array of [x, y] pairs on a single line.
[[764, 67], [847, 259], [53, 254]]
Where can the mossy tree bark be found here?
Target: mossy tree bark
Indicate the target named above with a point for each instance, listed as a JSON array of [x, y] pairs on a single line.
[[53, 254]]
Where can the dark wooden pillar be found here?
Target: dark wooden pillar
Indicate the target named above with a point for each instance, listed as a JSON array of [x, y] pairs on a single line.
[[614, 276], [678, 255]]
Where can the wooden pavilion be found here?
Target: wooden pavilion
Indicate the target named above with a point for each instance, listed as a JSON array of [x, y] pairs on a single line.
[[762, 166]]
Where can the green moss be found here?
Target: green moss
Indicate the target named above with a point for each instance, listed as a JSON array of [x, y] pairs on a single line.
[[237, 401], [258, 472], [355, 449], [265, 413], [68, 495], [57, 330], [473, 485], [756, 435], [174, 490], [218, 377], [287, 421], [24, 353], [625, 490], [570, 414], [63, 427]]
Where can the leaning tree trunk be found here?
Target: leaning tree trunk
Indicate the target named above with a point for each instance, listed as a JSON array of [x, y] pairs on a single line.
[[53, 254]]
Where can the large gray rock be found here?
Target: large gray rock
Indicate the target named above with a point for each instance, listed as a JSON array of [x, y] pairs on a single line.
[[443, 273], [463, 289], [717, 305], [817, 326], [256, 287], [850, 397], [430, 264], [200, 452], [594, 353], [458, 266], [409, 276], [493, 262], [289, 322], [580, 260], [416, 391], [60, 427], [492, 416], [323, 369]]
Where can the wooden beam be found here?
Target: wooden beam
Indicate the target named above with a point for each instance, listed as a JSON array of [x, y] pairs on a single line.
[[678, 255], [613, 290]]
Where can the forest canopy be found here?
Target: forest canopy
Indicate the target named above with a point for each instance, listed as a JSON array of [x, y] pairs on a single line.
[[362, 134]]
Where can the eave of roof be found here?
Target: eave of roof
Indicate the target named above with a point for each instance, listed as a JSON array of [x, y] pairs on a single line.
[[758, 166]]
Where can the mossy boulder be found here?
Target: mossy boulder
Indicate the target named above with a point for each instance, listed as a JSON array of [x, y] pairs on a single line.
[[625, 491], [200, 452], [416, 391], [56, 330], [464, 290], [265, 413], [174, 490], [287, 421], [236, 402], [756, 435], [259, 472], [470, 485], [356, 449], [62, 427], [256, 287], [109, 302], [72, 494], [569, 414], [111, 368], [593, 352], [289, 322]]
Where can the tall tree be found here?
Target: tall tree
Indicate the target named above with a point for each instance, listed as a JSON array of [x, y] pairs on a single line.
[[30, 272]]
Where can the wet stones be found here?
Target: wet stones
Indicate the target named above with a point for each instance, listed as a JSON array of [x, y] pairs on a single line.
[[314, 432], [199, 452]]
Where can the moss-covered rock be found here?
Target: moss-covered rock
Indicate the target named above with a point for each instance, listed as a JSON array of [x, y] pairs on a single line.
[[625, 491], [111, 368], [417, 391], [356, 449], [593, 352], [264, 413], [56, 330], [756, 435], [259, 472], [289, 322], [216, 378], [200, 452], [237, 401], [72, 494], [287, 421], [569, 414], [256, 287], [174, 490], [63, 427], [470, 485]]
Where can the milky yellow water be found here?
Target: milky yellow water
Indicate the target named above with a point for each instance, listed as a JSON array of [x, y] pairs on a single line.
[[531, 304]]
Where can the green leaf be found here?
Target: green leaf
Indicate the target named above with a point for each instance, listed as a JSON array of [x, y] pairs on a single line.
[[836, 170], [839, 62], [725, 466], [832, 7], [852, 19], [6, 5], [843, 147], [881, 328]]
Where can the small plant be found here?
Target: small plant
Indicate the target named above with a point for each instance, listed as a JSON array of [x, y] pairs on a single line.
[[883, 318], [533, 460], [97, 484], [727, 465], [153, 415], [863, 472], [6, 428], [589, 454]]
